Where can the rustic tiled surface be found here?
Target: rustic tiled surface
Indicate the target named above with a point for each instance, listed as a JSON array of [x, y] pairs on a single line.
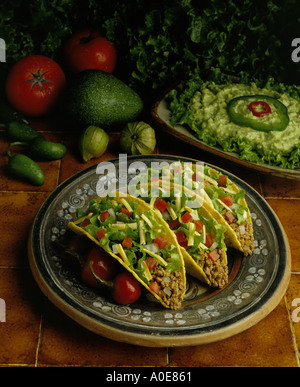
[[36, 333]]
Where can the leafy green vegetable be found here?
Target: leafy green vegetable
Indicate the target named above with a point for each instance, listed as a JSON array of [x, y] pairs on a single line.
[[159, 42]]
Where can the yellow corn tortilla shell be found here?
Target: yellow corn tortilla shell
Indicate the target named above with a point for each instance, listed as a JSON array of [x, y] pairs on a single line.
[[231, 238], [191, 266], [142, 207]]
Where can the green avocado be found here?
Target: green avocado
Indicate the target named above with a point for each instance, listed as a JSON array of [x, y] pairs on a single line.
[[95, 97]]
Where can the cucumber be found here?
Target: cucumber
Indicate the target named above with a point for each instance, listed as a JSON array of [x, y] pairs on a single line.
[[95, 97]]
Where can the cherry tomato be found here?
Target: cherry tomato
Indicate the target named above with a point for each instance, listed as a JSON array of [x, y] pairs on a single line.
[[126, 289], [104, 267], [87, 49], [34, 84]]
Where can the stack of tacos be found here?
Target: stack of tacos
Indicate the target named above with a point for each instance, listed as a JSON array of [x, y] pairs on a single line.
[[221, 198], [141, 241], [199, 235], [164, 231]]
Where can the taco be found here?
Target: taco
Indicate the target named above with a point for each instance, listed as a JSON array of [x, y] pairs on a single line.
[[141, 241], [221, 198], [200, 236]]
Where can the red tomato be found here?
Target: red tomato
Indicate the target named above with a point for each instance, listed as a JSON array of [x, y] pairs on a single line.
[[126, 212], [87, 49], [209, 240], [86, 222], [180, 237], [228, 200], [101, 233], [161, 204], [151, 263], [214, 255], [161, 241], [127, 242], [229, 216], [104, 215], [155, 287], [174, 224], [186, 217], [34, 84], [126, 289], [199, 225], [104, 267], [222, 181]]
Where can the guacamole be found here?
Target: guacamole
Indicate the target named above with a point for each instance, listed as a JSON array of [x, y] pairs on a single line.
[[270, 135]]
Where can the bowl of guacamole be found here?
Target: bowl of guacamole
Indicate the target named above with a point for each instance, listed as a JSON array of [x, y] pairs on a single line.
[[257, 125]]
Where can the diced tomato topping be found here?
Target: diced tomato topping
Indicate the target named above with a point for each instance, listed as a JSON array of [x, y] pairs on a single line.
[[161, 241], [127, 242], [222, 181], [104, 215], [199, 225], [229, 216], [174, 224], [126, 212], [161, 205], [85, 223], [228, 200], [209, 240], [214, 255], [186, 217], [151, 263], [196, 177], [180, 237], [101, 234], [155, 287]]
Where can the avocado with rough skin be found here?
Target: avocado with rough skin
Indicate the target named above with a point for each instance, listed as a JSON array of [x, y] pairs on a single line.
[[95, 97]]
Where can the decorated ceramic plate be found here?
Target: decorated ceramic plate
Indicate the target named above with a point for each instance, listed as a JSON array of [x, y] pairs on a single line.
[[256, 285], [161, 115]]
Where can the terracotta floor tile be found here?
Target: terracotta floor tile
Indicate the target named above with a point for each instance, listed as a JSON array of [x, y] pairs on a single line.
[[287, 211], [18, 211], [277, 187], [20, 332], [293, 299], [267, 344], [50, 169], [64, 343]]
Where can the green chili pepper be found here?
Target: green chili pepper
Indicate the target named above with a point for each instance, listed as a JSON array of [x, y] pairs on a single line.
[[46, 150], [259, 112], [25, 168], [43, 149], [20, 131]]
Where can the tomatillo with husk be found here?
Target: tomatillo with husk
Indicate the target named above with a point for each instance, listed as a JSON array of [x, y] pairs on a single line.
[[93, 143], [137, 138]]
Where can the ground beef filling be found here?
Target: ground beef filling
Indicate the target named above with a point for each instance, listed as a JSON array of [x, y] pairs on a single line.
[[172, 287], [245, 236], [216, 271]]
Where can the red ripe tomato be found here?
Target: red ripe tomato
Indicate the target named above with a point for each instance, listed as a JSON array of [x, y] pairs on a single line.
[[126, 289], [34, 84], [161, 241], [87, 49], [104, 267]]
